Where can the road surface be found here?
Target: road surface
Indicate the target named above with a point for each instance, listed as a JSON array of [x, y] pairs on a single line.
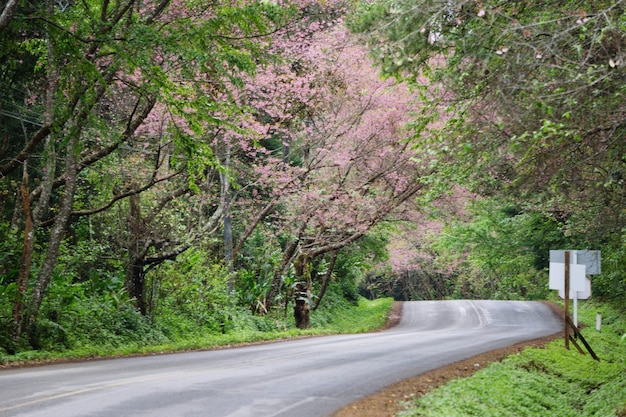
[[306, 378]]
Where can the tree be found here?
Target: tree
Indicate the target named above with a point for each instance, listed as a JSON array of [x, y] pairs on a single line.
[[529, 96], [502, 252], [102, 67], [341, 165], [553, 134]]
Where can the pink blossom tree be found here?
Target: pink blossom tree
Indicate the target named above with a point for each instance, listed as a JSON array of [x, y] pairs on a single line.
[[343, 163]]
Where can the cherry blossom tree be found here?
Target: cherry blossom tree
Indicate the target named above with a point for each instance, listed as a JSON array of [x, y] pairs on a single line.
[[534, 103], [533, 92], [269, 111], [341, 163]]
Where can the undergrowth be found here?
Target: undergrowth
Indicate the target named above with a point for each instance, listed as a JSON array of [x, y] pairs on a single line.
[[550, 382], [125, 332]]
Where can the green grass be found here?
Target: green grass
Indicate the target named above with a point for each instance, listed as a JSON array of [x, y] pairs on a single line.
[[366, 316], [337, 318], [550, 382]]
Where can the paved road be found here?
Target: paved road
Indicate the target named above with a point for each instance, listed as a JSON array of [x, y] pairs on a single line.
[[305, 378]]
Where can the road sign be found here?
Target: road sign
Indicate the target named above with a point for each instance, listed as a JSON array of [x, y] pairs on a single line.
[[571, 280], [589, 258], [580, 285]]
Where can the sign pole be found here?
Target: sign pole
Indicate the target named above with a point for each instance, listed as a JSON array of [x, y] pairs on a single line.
[[566, 296], [575, 296]]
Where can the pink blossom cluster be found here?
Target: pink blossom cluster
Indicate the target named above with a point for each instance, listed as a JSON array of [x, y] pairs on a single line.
[[348, 128]]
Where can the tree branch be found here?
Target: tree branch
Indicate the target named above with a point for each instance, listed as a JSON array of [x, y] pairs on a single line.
[[7, 13]]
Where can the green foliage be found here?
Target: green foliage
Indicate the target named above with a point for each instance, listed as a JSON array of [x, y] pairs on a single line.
[[551, 143], [7, 344], [141, 92], [355, 261], [77, 313], [8, 290], [89, 261], [257, 263], [88, 312], [117, 329], [339, 316], [350, 271], [192, 295], [504, 251], [503, 391], [611, 283], [399, 45], [75, 317], [543, 382]]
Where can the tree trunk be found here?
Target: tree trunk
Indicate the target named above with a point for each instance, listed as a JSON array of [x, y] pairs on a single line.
[[58, 232], [43, 204], [302, 294], [227, 222], [135, 283], [326, 280], [288, 254], [302, 307], [27, 257], [137, 249]]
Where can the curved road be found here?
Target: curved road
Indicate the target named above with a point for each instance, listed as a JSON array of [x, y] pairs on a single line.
[[307, 377]]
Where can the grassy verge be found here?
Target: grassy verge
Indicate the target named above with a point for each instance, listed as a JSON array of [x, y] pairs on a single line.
[[550, 382], [338, 318]]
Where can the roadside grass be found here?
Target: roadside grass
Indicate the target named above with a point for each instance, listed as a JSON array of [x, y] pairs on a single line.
[[339, 317], [550, 382]]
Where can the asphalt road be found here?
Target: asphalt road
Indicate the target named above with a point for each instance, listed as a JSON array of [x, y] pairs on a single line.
[[306, 378]]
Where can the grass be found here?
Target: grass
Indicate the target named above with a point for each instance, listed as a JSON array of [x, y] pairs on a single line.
[[338, 318], [550, 382]]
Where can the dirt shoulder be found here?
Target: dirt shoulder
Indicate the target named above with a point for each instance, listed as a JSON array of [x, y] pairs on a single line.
[[389, 401]]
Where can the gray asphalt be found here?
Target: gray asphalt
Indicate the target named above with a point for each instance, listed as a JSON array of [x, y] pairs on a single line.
[[305, 378]]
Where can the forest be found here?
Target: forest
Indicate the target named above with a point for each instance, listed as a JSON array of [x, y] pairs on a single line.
[[170, 167]]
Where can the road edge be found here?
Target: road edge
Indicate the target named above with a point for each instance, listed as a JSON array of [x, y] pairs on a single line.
[[390, 400]]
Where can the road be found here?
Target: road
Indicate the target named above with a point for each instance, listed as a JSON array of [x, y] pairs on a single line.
[[306, 377]]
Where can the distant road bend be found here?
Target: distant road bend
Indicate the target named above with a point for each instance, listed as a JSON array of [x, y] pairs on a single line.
[[306, 377]]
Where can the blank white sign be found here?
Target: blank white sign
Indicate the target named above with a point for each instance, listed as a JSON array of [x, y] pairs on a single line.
[[578, 281]]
